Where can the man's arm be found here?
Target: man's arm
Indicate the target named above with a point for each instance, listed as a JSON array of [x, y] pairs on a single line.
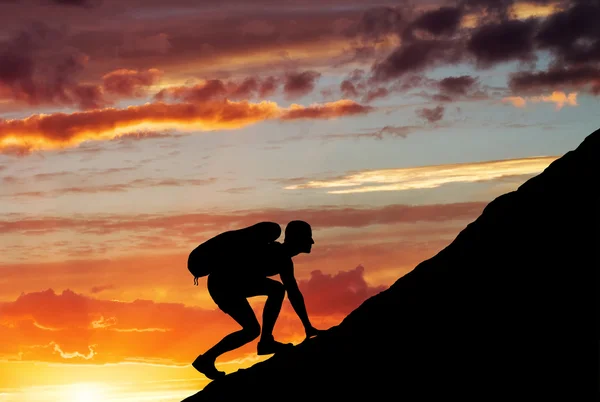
[[296, 299]]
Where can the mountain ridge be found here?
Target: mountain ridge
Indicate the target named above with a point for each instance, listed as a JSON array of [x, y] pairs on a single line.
[[507, 290]]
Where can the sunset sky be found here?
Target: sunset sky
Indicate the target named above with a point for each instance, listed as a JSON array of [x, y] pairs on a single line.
[[133, 130]]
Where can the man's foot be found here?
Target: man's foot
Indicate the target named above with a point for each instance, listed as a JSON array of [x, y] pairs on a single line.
[[272, 346], [207, 367]]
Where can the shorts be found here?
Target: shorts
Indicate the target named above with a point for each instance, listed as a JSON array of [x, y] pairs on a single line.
[[229, 292]]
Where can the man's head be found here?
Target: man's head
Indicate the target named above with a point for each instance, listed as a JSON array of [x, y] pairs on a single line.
[[298, 235]]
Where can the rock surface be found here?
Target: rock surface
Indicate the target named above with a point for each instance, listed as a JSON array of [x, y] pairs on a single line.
[[496, 315]]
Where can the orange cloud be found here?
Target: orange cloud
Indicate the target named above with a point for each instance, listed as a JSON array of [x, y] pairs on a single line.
[[131, 83], [52, 326], [324, 111], [516, 101], [328, 294], [160, 273], [560, 99], [62, 129], [249, 88]]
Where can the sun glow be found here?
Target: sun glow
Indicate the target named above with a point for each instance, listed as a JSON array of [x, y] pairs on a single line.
[[85, 392]]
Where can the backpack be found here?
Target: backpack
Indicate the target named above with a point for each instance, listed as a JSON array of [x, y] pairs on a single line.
[[208, 255]]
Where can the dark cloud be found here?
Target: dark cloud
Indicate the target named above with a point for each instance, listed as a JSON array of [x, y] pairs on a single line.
[[376, 93], [300, 84], [573, 34], [80, 3], [44, 65], [98, 289], [443, 21], [504, 41], [431, 115], [457, 85], [378, 22], [348, 89], [584, 77], [37, 68], [379, 134], [244, 90], [415, 56], [88, 97], [268, 86]]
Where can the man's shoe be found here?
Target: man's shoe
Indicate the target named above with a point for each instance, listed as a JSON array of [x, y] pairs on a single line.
[[270, 347], [207, 368]]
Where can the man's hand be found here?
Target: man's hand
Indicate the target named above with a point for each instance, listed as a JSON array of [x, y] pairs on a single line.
[[312, 331]]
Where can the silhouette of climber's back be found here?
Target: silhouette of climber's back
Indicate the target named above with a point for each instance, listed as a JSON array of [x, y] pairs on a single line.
[[238, 264], [228, 249]]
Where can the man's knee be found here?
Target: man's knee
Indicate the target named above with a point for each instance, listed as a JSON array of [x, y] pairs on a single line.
[[277, 290]]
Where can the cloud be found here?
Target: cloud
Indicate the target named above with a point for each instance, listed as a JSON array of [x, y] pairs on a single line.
[[197, 41], [300, 84], [65, 175], [497, 32], [130, 83], [376, 93], [379, 134], [86, 329], [560, 99], [80, 3], [427, 176], [459, 85], [140, 44], [413, 56], [579, 78], [328, 294], [504, 41], [72, 355], [572, 34], [115, 187], [376, 23], [196, 224], [516, 101], [327, 110], [431, 115], [36, 68], [245, 89], [98, 289], [208, 90], [59, 130], [238, 190], [394, 131], [348, 89], [441, 21]]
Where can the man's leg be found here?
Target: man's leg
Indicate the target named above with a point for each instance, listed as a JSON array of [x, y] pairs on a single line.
[[275, 293], [242, 313]]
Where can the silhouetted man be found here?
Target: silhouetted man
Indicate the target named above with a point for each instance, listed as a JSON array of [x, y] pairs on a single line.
[[241, 272]]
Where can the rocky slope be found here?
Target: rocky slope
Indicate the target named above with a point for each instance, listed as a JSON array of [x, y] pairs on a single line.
[[496, 314]]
